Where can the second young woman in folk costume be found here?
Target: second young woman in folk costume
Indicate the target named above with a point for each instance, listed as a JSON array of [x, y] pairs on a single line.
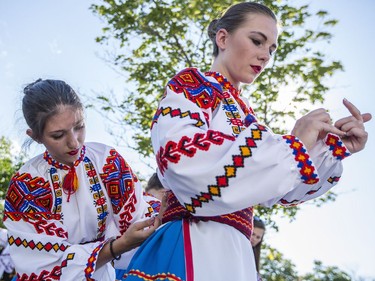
[[77, 207]]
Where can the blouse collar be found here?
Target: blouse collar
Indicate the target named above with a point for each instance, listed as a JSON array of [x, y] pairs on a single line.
[[224, 82], [61, 166], [227, 86]]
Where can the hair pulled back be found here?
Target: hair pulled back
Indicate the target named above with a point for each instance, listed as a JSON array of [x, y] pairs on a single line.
[[42, 100], [234, 17], [257, 222]]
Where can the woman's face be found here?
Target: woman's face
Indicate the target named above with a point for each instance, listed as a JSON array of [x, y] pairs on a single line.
[[64, 134], [244, 53], [256, 236]]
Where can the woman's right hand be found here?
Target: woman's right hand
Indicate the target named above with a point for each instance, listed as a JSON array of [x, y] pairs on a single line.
[[136, 234], [314, 126]]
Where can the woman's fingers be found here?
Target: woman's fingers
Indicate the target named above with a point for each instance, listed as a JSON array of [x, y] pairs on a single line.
[[333, 130], [366, 117], [354, 111]]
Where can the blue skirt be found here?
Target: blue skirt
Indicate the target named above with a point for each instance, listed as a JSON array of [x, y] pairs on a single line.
[[160, 257]]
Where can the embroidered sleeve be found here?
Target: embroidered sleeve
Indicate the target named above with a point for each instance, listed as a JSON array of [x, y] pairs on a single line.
[[327, 156], [37, 237], [230, 162], [125, 192]]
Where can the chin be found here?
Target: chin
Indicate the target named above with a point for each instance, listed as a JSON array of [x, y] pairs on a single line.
[[249, 80]]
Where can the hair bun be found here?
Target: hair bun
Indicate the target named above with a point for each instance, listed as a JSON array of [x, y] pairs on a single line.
[[29, 86], [212, 28]]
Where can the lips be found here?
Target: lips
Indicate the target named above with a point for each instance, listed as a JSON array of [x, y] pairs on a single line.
[[73, 152], [257, 69]]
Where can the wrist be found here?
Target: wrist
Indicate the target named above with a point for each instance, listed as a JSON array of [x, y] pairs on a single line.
[[112, 248]]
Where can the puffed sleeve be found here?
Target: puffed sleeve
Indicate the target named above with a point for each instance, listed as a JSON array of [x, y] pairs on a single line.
[[213, 171], [38, 239], [128, 201]]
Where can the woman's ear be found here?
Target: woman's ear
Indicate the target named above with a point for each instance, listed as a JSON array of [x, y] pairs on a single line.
[[29, 132], [221, 38]]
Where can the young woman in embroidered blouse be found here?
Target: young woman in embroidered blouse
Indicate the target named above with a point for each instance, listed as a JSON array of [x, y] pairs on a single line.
[[75, 208], [217, 160]]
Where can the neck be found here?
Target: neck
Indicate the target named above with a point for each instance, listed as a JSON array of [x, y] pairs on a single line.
[[218, 67]]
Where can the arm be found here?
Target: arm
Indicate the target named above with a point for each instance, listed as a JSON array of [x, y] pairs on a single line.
[[129, 206], [213, 172], [38, 235], [353, 139], [132, 238]]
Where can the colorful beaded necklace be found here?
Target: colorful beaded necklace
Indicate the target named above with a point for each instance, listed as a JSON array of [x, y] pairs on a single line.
[[70, 181]]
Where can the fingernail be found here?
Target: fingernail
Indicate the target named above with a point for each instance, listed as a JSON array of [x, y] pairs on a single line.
[[152, 220]]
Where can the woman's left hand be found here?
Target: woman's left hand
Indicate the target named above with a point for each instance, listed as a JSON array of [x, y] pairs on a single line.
[[356, 135]]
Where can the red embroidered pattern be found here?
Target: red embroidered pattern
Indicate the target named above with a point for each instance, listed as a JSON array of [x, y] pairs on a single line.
[[295, 202], [234, 92], [29, 194], [61, 166], [188, 147], [333, 180], [305, 166], [336, 146], [54, 274], [196, 88], [42, 226], [16, 216], [177, 113], [90, 266], [292, 203], [230, 170], [160, 276], [241, 220], [98, 197], [119, 180], [56, 247]]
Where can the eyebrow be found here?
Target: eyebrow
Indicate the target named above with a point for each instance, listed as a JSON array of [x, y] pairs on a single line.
[[63, 130], [264, 37]]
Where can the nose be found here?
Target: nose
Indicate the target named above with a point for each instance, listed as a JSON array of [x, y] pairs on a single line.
[[73, 141], [264, 55]]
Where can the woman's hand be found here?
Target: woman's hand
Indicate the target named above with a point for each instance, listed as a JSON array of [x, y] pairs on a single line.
[[136, 234], [132, 238], [355, 137], [314, 126]]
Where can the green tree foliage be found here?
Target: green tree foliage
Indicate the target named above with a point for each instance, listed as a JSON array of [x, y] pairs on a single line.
[[275, 267], [156, 39], [326, 273], [9, 164]]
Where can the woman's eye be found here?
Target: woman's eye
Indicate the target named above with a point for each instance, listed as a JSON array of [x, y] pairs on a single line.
[[80, 127], [256, 42], [56, 137]]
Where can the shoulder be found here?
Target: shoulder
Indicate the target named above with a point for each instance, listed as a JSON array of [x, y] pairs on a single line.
[[36, 166], [200, 89], [188, 77], [102, 154], [97, 147]]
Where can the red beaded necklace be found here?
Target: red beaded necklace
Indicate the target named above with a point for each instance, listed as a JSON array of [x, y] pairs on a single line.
[[70, 181]]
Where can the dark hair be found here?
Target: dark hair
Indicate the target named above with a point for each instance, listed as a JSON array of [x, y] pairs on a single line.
[[42, 100], [154, 183], [259, 224], [233, 17]]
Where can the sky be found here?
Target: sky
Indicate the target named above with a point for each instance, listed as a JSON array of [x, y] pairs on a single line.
[[56, 39]]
